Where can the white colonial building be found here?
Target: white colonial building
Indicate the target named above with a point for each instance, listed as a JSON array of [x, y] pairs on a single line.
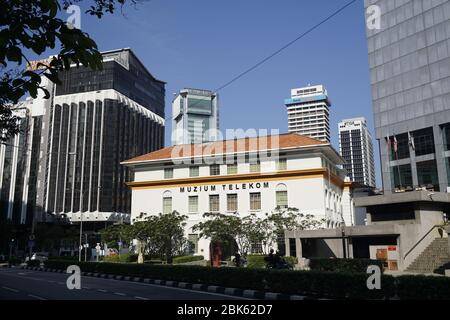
[[243, 176]]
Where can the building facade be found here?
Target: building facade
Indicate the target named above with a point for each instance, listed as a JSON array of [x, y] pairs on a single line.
[[13, 170], [409, 59], [355, 146], [237, 176], [309, 112], [76, 140], [195, 116]]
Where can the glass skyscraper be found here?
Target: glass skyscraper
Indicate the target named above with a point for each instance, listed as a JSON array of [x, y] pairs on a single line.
[[195, 116], [409, 59], [355, 146]]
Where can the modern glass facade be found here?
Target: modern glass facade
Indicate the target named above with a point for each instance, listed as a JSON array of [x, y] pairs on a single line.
[[195, 116], [409, 58]]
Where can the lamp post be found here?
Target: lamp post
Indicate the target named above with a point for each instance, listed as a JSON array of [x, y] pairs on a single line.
[[81, 234], [344, 249], [11, 245]]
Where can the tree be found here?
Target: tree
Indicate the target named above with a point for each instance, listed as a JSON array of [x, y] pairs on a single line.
[[286, 219], [169, 234], [33, 26], [113, 234], [161, 234], [223, 228], [252, 230], [142, 230]]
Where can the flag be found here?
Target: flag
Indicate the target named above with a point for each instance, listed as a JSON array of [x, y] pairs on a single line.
[[388, 141], [395, 144], [411, 141]]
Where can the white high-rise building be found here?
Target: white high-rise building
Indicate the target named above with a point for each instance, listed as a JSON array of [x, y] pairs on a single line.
[[356, 147], [309, 112], [195, 116]]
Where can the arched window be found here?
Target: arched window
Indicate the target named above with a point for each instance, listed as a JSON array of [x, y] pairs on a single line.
[[281, 195]]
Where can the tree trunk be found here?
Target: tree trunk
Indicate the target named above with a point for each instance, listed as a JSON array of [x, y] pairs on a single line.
[[140, 252]]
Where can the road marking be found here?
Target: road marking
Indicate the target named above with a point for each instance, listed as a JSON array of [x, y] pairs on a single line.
[[36, 297], [10, 289], [190, 290], [141, 298], [120, 294], [102, 290]]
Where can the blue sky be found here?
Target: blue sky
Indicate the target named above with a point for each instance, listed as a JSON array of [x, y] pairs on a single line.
[[205, 43]]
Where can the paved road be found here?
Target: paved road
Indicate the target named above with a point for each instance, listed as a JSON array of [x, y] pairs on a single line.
[[19, 284]]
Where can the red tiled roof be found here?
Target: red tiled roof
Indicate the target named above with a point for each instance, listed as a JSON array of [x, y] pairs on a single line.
[[282, 141]]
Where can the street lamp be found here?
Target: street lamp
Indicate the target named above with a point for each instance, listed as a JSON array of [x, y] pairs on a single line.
[[344, 249], [81, 234], [11, 245]]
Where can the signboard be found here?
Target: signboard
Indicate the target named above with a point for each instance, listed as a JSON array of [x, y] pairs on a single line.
[[226, 187]]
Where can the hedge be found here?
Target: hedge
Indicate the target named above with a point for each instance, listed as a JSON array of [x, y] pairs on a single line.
[[314, 283], [423, 287], [33, 263], [185, 259], [257, 261], [343, 265], [123, 258]]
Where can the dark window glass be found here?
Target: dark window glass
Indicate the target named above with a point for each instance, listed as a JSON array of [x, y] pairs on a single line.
[[427, 174], [402, 176], [423, 141], [400, 150]]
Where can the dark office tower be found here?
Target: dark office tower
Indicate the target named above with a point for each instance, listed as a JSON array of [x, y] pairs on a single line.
[[76, 140], [355, 146], [409, 59], [97, 120]]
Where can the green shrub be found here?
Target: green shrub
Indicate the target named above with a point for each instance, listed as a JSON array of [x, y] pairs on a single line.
[[33, 263], [14, 261], [343, 265], [185, 259], [423, 287], [65, 258], [292, 261], [323, 284], [123, 258], [256, 261], [153, 261]]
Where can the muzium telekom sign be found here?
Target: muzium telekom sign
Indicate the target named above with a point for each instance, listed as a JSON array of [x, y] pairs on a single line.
[[226, 187]]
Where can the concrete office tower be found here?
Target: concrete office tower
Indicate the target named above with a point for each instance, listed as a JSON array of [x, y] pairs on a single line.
[[355, 146], [409, 59], [309, 112], [195, 116], [93, 121]]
